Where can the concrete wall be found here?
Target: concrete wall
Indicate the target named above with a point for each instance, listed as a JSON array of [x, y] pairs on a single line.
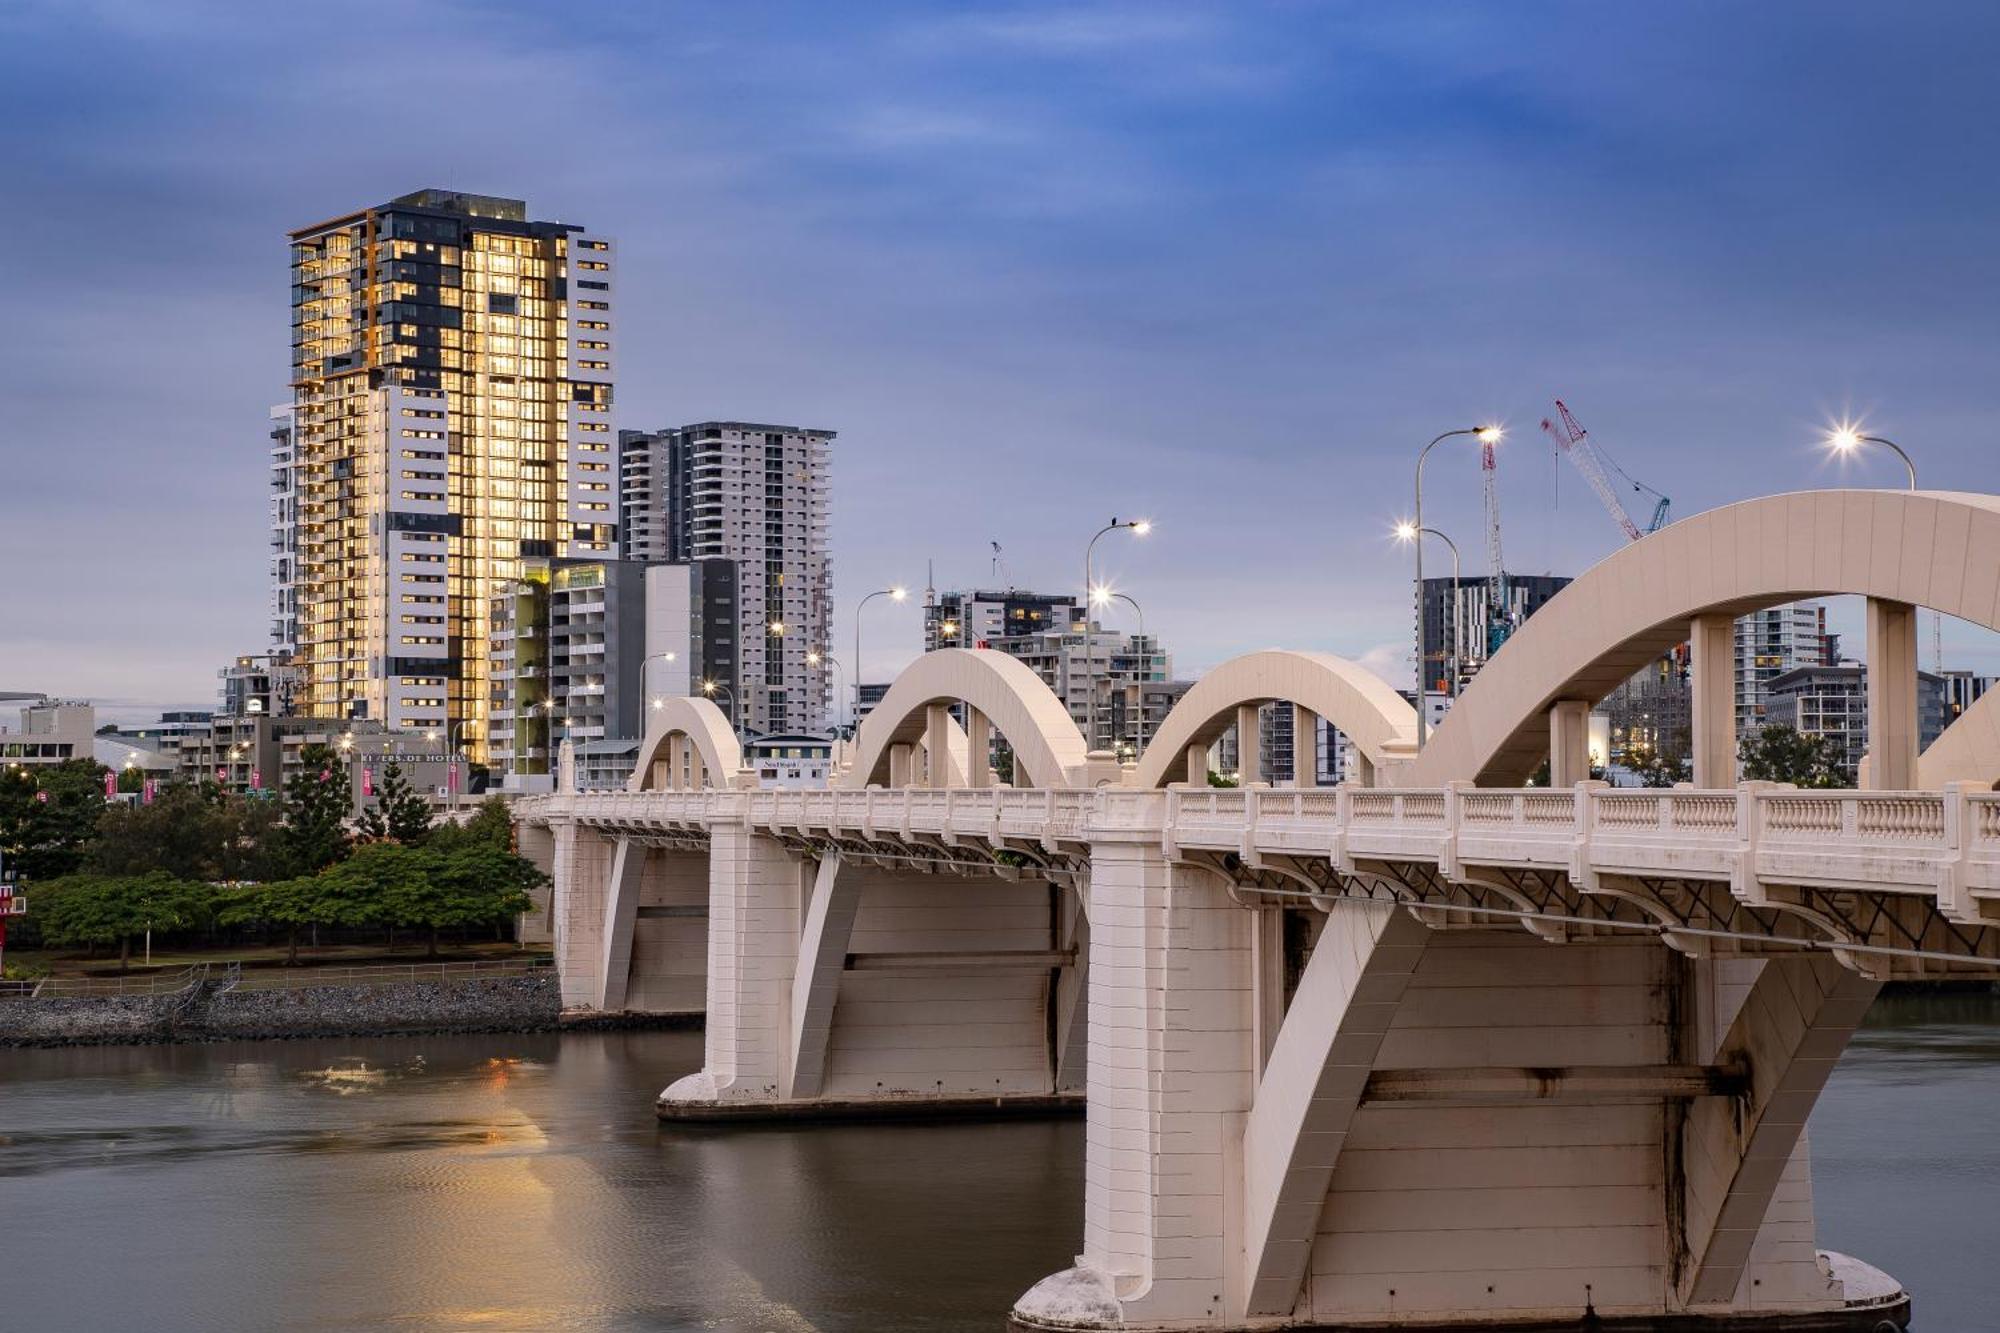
[[669, 968]]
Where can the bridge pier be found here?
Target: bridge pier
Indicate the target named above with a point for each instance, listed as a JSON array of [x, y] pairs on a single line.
[[1456, 1126], [848, 983]]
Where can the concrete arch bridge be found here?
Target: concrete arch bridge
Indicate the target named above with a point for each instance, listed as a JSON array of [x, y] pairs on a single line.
[[1430, 1050]]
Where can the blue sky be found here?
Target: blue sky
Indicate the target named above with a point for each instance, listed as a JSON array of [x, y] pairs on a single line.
[[1224, 265]]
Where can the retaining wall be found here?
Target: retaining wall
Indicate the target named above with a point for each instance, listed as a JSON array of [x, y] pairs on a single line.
[[489, 1004]]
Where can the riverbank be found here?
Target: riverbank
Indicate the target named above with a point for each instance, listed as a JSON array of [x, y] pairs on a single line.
[[209, 1010]]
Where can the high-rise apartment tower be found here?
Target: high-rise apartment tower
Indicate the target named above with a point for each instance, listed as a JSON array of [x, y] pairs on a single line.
[[451, 399], [757, 495]]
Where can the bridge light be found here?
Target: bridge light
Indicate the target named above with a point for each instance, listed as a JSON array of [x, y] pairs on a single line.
[[659, 704], [812, 658], [1100, 596], [1843, 438], [898, 594], [776, 627], [1406, 531], [1488, 434], [1142, 527]]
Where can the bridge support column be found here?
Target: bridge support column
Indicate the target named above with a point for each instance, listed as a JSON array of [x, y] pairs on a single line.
[[1305, 747], [1197, 765], [582, 866], [978, 748], [1171, 1071], [1712, 668], [1892, 695], [937, 745], [1249, 754], [621, 913], [902, 763], [1569, 742]]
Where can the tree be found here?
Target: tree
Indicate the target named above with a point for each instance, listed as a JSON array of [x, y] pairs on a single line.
[[400, 813], [316, 805], [1778, 753], [328, 898], [48, 816], [178, 833], [472, 885], [1657, 770], [91, 910], [490, 825]]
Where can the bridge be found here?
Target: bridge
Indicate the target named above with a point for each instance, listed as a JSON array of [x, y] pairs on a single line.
[[1432, 1048]]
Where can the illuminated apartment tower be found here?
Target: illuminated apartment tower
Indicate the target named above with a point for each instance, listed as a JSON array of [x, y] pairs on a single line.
[[451, 400]]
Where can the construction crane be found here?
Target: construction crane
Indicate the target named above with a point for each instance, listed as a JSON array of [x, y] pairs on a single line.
[[1573, 441], [1497, 625]]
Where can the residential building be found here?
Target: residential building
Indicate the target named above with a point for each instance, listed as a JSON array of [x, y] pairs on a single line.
[[1115, 667], [580, 646], [1465, 620], [606, 765], [259, 683], [755, 495], [1770, 643], [975, 619], [1832, 701], [1651, 715], [284, 505], [451, 392]]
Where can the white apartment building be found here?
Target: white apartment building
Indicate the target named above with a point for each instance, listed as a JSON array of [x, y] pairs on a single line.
[[1770, 643], [755, 495]]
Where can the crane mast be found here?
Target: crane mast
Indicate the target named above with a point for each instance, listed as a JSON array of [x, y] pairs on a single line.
[[1497, 626]]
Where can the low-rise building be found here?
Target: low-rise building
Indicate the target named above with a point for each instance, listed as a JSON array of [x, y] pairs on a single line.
[[1832, 701], [50, 731], [789, 762]]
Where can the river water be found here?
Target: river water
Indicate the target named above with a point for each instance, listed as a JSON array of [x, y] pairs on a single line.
[[520, 1182]]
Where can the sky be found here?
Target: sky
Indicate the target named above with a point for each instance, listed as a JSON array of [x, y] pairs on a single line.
[[1223, 266]]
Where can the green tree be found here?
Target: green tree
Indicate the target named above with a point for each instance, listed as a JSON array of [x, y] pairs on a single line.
[[1778, 753], [92, 910], [1659, 771], [400, 813], [329, 898], [179, 833], [490, 825], [473, 885], [317, 800], [48, 816], [131, 781]]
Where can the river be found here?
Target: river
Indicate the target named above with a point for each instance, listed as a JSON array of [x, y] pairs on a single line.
[[519, 1182]]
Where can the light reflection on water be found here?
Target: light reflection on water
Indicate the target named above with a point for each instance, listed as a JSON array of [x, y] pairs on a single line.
[[519, 1182]]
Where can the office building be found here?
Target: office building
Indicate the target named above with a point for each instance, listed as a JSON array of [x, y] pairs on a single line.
[[50, 731], [1962, 689], [451, 397], [755, 495]]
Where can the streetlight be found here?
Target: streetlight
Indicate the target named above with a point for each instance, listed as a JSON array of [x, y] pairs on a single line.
[[1138, 528], [1488, 434], [1104, 596], [1845, 438], [647, 661], [709, 688], [897, 593], [1409, 532], [815, 657]]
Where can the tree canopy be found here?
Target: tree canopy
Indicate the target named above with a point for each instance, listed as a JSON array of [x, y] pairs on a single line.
[[400, 813], [48, 816], [1778, 753], [317, 802]]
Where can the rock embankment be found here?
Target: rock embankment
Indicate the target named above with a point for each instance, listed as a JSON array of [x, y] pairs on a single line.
[[209, 1011]]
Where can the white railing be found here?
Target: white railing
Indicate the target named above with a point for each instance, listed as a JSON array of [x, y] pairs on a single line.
[[1928, 842]]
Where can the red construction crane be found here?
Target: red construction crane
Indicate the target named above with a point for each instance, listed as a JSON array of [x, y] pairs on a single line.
[[1573, 441]]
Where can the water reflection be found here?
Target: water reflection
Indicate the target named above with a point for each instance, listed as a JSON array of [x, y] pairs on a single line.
[[519, 1182]]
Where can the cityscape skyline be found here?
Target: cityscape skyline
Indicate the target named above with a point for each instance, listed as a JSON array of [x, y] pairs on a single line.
[[981, 261]]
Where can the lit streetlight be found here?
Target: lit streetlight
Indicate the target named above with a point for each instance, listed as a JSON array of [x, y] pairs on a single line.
[[1409, 532], [710, 688], [1103, 596], [1846, 438], [897, 593], [1138, 528], [1488, 434], [814, 657]]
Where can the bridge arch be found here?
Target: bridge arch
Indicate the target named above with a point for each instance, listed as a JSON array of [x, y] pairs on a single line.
[[689, 743], [1936, 549], [1969, 749], [1002, 690], [1381, 724]]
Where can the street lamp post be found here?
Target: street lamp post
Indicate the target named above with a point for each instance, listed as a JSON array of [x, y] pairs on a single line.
[[1409, 532], [1845, 439], [1138, 528], [1103, 597], [897, 593], [1486, 435], [711, 687], [814, 657], [647, 661]]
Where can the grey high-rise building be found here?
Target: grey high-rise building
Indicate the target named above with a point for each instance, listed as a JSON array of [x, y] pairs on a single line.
[[754, 494]]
